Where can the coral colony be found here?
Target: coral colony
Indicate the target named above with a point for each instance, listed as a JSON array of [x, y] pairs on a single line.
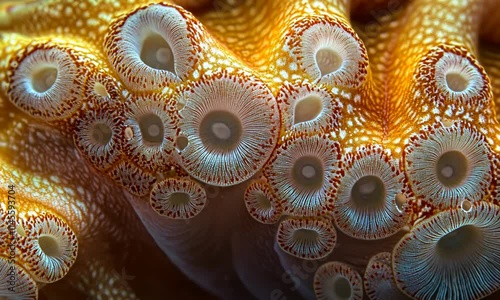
[[293, 149]]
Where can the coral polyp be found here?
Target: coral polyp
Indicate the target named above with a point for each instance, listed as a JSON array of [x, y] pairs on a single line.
[[296, 149]]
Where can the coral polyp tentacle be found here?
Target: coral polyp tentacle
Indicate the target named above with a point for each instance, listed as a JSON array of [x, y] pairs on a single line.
[[450, 245], [46, 82], [178, 198], [454, 80], [329, 51], [152, 47], [306, 238], [152, 124], [49, 248], [99, 133], [446, 164], [303, 174], [366, 204], [306, 108], [336, 280], [231, 124], [262, 203]]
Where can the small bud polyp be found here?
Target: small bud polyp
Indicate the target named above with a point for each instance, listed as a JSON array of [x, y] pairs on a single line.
[[100, 89], [466, 205], [129, 133]]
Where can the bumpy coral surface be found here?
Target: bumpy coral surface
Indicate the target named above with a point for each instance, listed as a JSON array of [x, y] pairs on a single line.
[[294, 149]]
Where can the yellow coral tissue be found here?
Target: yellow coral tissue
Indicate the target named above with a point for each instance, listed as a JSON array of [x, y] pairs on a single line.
[[250, 149]]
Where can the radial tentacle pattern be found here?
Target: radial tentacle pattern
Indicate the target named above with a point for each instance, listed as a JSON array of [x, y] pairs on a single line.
[[295, 149]]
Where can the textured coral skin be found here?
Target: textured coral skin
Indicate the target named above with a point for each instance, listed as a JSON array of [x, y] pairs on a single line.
[[252, 157]]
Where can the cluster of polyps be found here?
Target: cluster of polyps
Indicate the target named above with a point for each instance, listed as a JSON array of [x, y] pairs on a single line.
[[159, 121]]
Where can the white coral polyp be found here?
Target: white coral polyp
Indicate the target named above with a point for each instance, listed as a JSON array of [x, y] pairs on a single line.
[[151, 48], [152, 128], [330, 54], [365, 206], [448, 164], [302, 172], [178, 198], [231, 125], [43, 84], [49, 249], [307, 108], [337, 281], [307, 238], [457, 77], [451, 255]]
